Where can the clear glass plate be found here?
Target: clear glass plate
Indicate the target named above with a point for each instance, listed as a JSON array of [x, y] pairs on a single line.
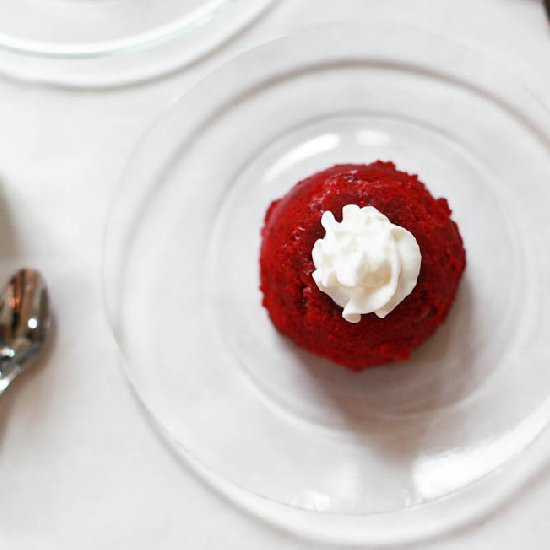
[[106, 42], [387, 451]]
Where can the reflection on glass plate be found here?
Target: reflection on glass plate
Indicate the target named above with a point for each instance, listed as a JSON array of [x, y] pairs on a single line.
[[394, 453]]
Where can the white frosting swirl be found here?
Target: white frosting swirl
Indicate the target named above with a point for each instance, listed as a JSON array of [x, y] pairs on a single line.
[[365, 263]]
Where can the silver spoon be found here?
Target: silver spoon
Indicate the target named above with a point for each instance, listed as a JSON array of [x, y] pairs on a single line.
[[24, 322]]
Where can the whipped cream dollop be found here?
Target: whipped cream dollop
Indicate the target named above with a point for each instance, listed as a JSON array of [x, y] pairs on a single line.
[[365, 263]]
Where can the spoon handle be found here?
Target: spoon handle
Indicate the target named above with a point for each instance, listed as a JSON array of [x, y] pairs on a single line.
[[7, 376]]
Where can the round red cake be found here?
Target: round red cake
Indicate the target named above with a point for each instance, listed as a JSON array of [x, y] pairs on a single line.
[[309, 316]]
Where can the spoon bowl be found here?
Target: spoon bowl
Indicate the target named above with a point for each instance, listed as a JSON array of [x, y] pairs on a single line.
[[24, 323]]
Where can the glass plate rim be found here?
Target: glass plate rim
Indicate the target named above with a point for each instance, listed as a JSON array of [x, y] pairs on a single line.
[[142, 40]]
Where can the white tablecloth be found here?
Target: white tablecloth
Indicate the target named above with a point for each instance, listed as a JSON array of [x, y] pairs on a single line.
[[80, 468]]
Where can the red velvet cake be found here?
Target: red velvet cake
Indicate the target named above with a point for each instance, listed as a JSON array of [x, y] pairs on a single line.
[[309, 316]]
